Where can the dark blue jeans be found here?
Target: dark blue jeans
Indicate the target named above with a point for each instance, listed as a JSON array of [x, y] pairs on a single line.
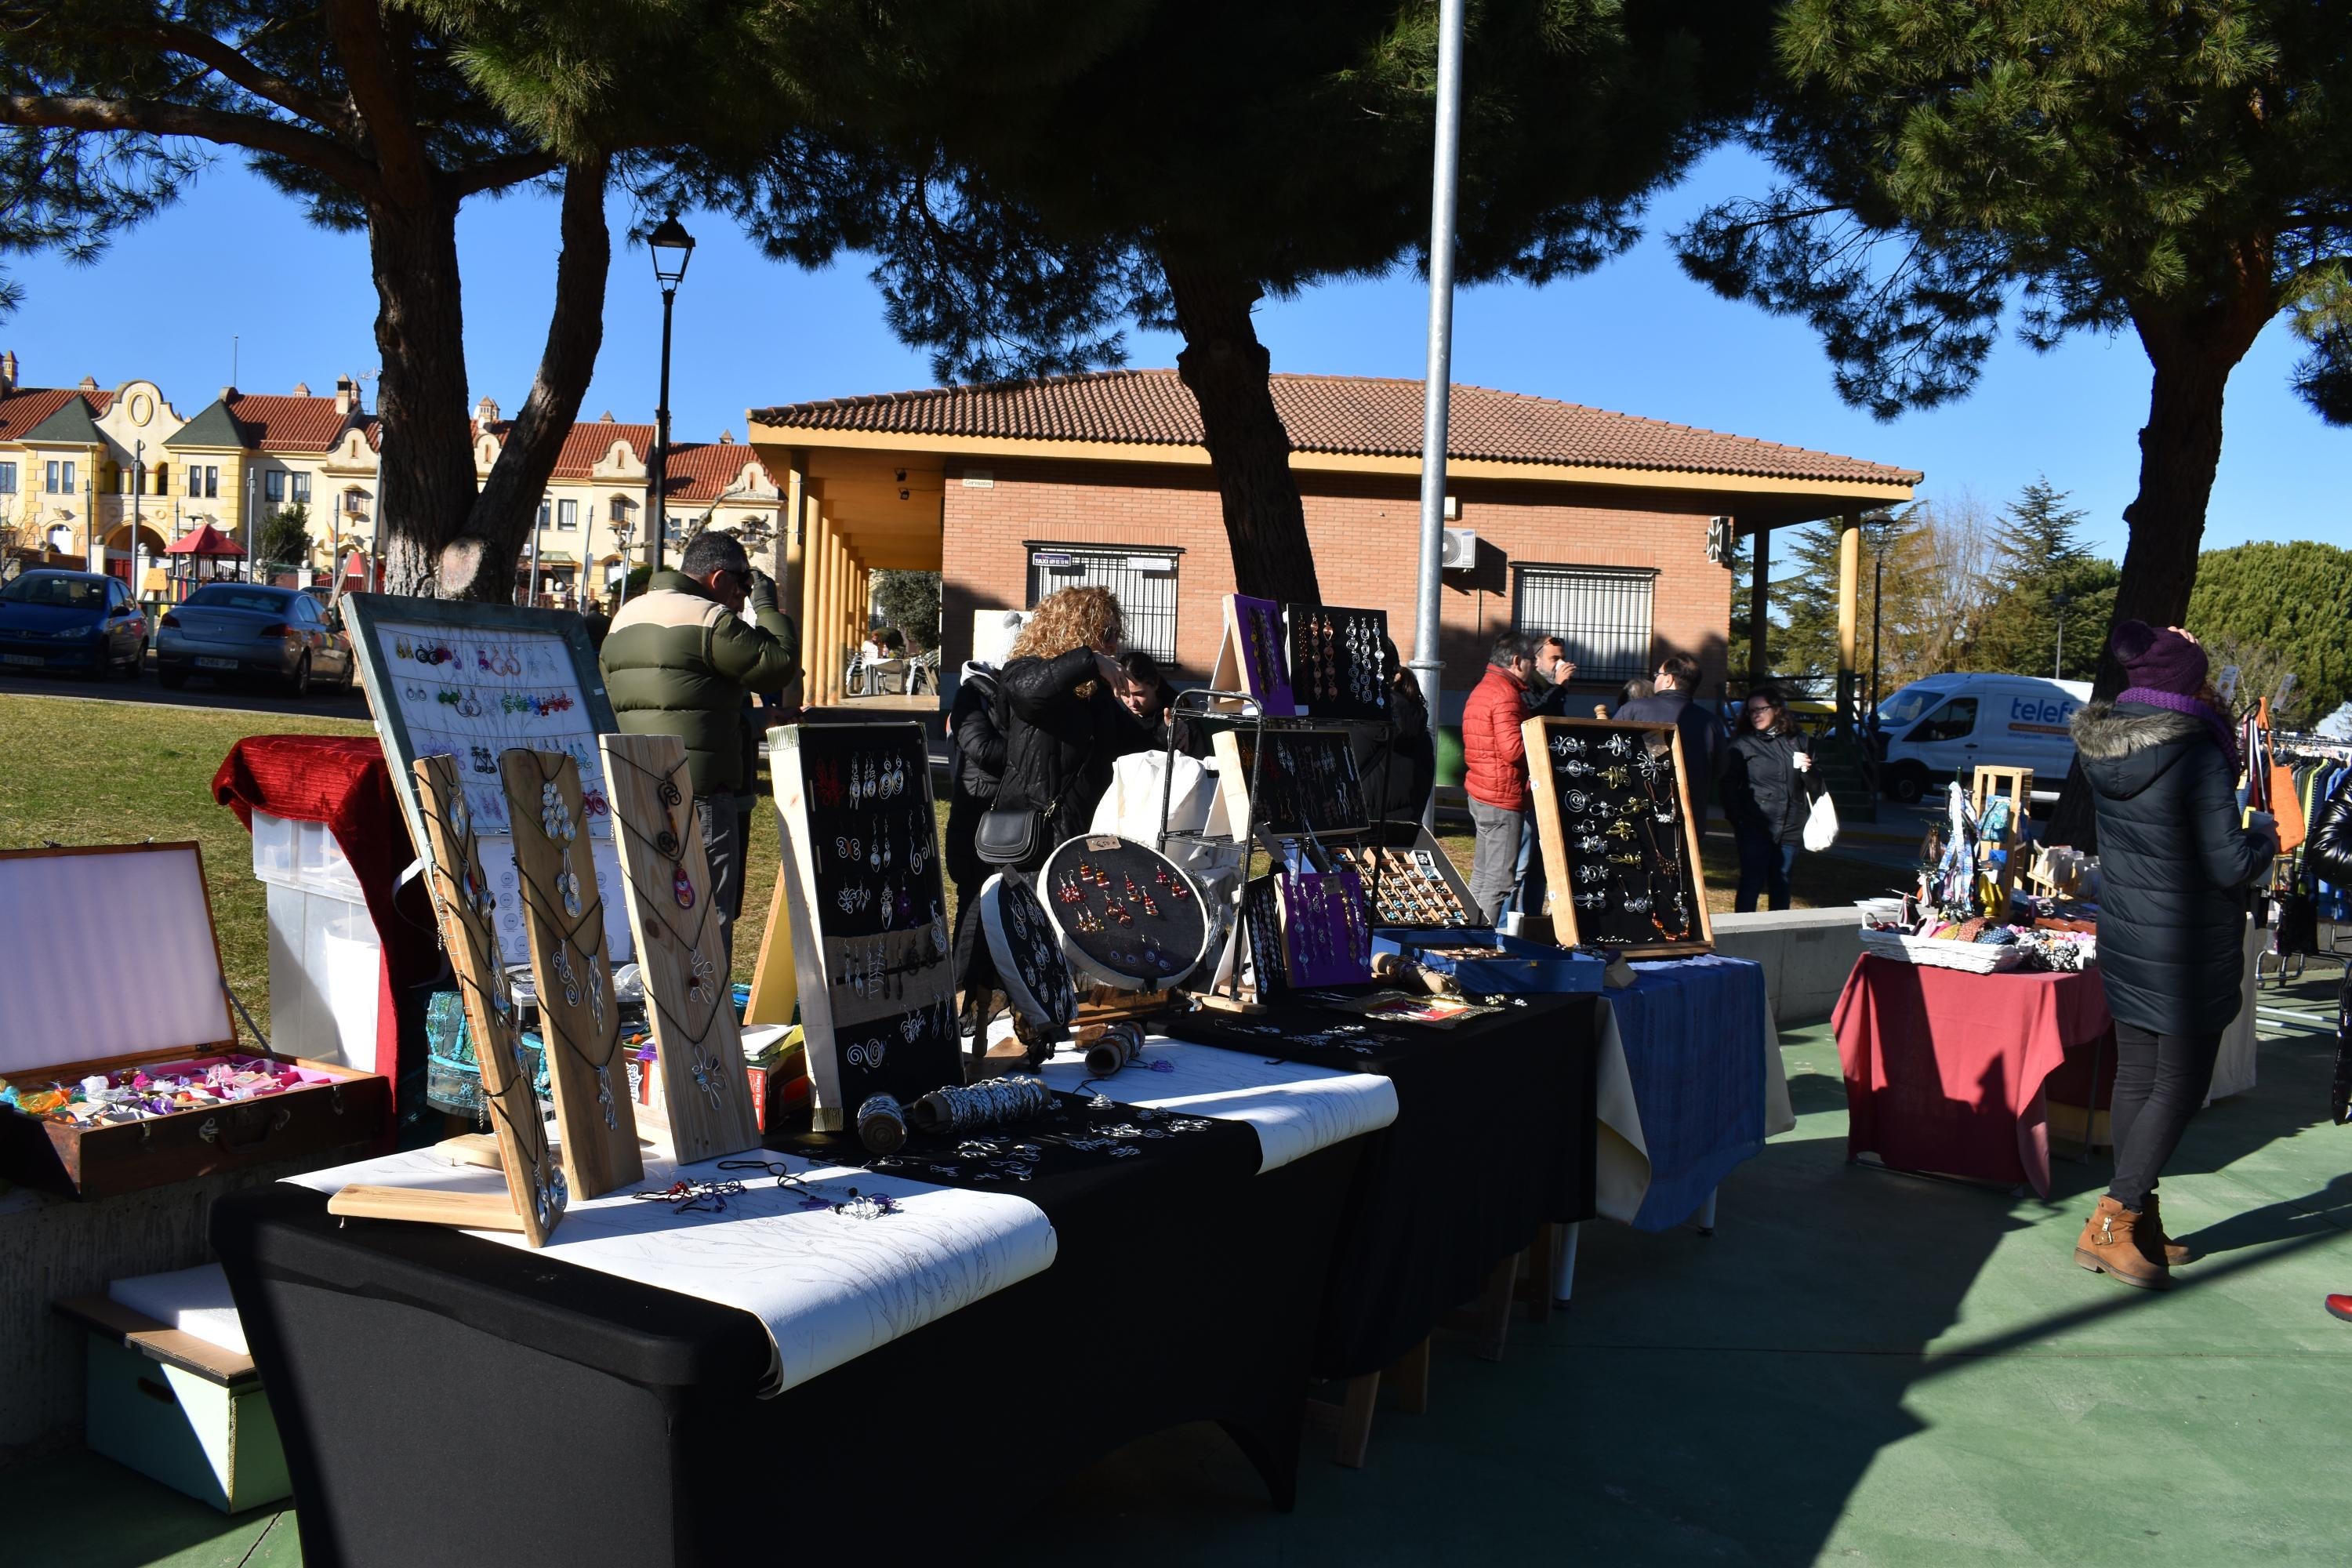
[[1764, 869]]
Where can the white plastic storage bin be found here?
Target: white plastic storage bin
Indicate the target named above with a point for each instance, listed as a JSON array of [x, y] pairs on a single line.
[[324, 953]]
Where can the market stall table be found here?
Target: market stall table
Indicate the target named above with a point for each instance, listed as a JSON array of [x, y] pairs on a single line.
[[1946, 1071], [441, 1391]]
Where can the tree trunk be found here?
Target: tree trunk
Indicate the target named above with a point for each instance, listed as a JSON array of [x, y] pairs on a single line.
[[501, 518], [426, 465], [1226, 366], [2192, 354]]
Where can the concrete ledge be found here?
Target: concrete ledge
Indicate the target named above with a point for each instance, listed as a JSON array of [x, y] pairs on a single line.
[[1806, 955]]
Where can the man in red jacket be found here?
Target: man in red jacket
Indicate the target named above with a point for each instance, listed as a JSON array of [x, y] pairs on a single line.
[[1495, 775]]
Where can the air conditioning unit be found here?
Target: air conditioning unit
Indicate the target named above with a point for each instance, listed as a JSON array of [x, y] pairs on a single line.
[[1460, 552]]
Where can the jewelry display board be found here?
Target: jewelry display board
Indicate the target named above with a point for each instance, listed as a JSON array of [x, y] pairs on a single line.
[[447, 677], [1325, 938], [579, 1016], [1252, 657], [1620, 844], [697, 1045], [1339, 665], [1307, 782], [1269, 969], [1409, 883], [1028, 952], [536, 1189], [868, 913], [1127, 916]]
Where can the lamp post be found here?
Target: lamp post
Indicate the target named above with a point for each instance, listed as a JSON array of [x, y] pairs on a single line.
[[138, 487], [673, 248], [2059, 601], [1881, 525]]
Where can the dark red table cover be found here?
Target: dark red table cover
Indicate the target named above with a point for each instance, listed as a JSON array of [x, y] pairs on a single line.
[[1947, 1072], [341, 781]]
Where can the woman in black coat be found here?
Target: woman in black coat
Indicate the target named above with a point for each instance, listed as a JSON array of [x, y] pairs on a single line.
[[975, 762], [1063, 727], [2327, 857], [1765, 793], [2174, 871]]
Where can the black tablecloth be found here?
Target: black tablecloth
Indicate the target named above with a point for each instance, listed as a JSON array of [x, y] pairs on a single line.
[[1495, 1135], [444, 1398]]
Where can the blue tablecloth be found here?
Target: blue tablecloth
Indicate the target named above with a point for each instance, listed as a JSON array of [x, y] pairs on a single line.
[[1694, 1034]]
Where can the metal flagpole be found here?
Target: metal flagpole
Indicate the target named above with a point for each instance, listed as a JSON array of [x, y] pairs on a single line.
[[1425, 664]]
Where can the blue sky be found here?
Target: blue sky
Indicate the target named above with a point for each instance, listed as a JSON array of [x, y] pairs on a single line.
[[234, 258]]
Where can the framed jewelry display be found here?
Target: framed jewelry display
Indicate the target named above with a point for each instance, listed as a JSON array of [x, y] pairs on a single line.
[[1409, 884], [1127, 916], [689, 1001], [1620, 844], [1307, 781], [1028, 952], [1325, 938], [1269, 968], [1253, 658], [861, 852], [537, 1191], [1339, 667], [450, 678], [579, 1016]]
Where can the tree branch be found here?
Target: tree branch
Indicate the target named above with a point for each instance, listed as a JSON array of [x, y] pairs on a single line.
[[491, 173], [356, 27], [254, 132], [197, 45]]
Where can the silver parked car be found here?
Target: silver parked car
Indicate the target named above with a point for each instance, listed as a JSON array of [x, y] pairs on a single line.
[[239, 629]]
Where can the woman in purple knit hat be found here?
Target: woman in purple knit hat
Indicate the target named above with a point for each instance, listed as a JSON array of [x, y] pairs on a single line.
[[2174, 871]]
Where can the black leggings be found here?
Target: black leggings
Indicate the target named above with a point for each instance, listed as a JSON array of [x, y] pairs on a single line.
[[2160, 1081]]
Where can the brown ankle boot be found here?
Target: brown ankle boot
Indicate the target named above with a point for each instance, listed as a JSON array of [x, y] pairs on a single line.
[[2110, 1244], [2153, 1242]]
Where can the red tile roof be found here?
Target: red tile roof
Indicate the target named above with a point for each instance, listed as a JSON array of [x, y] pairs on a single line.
[[702, 470], [282, 424], [27, 406], [586, 443], [1356, 416]]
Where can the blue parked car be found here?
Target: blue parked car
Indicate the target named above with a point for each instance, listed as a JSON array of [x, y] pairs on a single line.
[[78, 622]]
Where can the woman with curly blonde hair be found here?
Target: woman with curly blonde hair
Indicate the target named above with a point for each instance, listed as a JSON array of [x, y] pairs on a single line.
[[1063, 726]]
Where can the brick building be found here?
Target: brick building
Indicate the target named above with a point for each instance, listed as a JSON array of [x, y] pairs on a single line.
[[1592, 524]]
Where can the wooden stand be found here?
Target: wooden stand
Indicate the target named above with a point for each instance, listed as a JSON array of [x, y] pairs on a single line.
[[689, 996], [579, 1017], [518, 1143], [775, 986], [1991, 781]]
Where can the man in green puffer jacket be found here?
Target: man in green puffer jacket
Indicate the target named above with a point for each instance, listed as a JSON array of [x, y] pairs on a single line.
[[678, 660]]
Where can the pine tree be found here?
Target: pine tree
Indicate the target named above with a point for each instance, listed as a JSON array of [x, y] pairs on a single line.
[[1806, 600], [2042, 578]]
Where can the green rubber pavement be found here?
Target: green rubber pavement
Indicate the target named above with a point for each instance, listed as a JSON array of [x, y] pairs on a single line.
[[1858, 1367]]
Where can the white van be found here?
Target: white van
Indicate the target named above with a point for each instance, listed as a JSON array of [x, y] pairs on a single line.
[[1945, 725]]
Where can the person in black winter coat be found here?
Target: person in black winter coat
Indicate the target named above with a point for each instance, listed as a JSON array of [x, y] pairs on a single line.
[[1398, 761], [1674, 700], [2174, 871], [975, 761], [1767, 793], [1063, 728], [2327, 857]]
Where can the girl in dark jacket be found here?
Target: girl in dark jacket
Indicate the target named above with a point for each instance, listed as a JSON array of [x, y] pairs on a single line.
[[2174, 867], [1766, 772], [1063, 728], [975, 761]]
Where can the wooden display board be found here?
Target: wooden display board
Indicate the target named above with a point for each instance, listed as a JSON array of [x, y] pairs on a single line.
[[869, 928], [1621, 843], [1252, 658], [689, 995], [579, 1016], [1339, 665], [1307, 782], [447, 676]]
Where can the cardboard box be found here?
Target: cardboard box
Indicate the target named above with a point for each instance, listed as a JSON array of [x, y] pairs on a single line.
[[64, 918]]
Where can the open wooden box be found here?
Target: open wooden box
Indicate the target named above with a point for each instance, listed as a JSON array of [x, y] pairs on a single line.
[[114, 963]]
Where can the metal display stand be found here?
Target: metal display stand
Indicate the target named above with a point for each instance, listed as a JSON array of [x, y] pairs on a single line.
[[1202, 702]]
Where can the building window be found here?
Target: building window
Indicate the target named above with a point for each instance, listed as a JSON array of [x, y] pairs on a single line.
[[623, 511], [543, 510], [273, 487], [567, 514], [301, 489], [1602, 613], [60, 476], [212, 483], [8, 479], [1145, 584], [163, 478]]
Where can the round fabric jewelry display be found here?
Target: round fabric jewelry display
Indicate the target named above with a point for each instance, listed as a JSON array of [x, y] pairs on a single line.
[[1029, 962], [1128, 917]]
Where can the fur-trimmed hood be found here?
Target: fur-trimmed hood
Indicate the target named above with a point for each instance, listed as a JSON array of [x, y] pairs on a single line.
[[2124, 752]]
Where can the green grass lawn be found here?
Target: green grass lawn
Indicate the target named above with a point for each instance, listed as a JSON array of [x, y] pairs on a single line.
[[116, 773]]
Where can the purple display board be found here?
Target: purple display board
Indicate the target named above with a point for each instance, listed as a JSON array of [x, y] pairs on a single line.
[[1327, 934], [1256, 655]]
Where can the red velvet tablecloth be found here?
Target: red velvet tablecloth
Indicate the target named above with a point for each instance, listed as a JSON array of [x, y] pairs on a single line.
[[1946, 1070], [341, 781]]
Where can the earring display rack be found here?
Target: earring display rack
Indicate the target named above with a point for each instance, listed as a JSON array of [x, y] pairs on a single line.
[[579, 1017], [1126, 914], [1030, 963], [1339, 665], [1326, 936], [1410, 885], [1621, 843], [1306, 783], [868, 910], [689, 1002], [1253, 660]]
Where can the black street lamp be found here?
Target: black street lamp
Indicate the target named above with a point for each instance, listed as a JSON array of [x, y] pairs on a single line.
[[1881, 525], [673, 248]]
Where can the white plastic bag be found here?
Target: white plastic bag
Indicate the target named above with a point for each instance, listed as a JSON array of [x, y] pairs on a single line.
[[1821, 823]]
